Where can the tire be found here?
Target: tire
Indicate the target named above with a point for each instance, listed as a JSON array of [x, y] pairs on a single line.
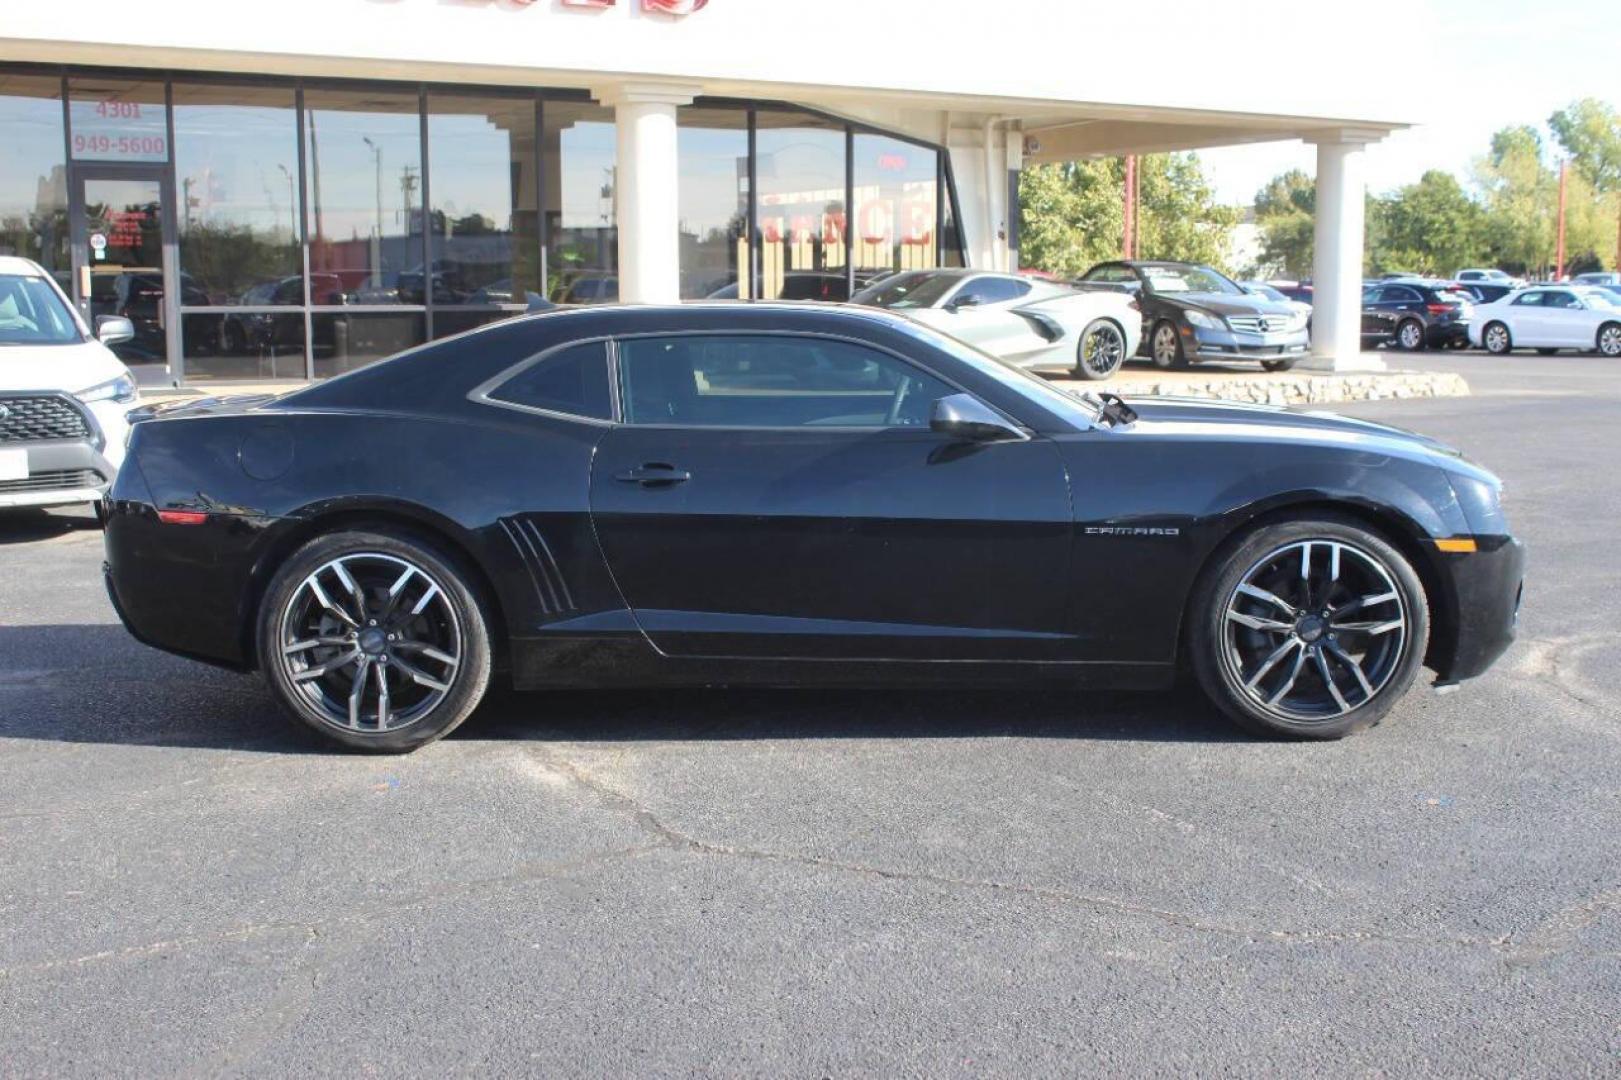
[[417, 630], [1410, 336], [1101, 350], [1608, 341], [1496, 339], [1547, 352], [1280, 365], [1165, 347], [1263, 663]]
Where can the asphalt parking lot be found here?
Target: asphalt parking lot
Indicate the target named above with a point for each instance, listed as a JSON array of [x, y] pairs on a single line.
[[826, 884]]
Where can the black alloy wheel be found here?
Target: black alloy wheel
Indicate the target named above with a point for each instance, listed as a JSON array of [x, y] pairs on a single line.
[[374, 640], [1165, 347], [1410, 335], [1309, 629], [1102, 350], [1496, 339]]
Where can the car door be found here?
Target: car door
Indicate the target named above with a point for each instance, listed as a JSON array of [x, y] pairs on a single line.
[[782, 495], [1527, 322], [980, 312], [1566, 319], [1373, 325]]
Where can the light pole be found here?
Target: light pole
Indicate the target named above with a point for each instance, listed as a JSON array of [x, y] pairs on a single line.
[[292, 200], [377, 230]]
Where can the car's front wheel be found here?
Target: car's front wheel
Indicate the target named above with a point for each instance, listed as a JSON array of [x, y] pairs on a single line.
[[1165, 347], [1309, 628], [1410, 335], [375, 640], [1102, 350]]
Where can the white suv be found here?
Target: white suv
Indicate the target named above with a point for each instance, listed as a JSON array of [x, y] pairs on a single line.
[[63, 394]]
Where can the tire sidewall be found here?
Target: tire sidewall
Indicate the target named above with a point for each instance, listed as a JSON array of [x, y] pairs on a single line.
[[1208, 624], [472, 675], [1080, 350], [1599, 341], [1486, 336]]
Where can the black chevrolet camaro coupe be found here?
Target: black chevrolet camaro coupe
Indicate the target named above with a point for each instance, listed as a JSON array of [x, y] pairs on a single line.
[[799, 495]]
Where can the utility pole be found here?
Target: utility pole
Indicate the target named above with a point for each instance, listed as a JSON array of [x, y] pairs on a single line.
[[377, 232], [1129, 248], [1559, 245]]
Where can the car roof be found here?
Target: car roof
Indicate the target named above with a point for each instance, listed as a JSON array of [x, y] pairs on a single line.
[[20, 267]]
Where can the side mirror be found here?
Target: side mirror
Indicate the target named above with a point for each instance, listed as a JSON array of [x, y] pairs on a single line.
[[965, 417], [966, 300], [114, 329]]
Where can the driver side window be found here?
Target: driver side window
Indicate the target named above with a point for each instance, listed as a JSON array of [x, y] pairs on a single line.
[[991, 290], [771, 381]]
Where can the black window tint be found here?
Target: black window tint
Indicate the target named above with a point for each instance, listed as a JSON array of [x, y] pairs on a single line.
[[573, 381], [1530, 299], [1561, 300], [771, 381], [994, 290], [1401, 295]]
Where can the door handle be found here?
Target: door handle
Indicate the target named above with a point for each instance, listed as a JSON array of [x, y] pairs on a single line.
[[654, 474]]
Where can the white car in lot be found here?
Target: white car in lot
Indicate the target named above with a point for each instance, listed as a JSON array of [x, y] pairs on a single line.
[[63, 395], [1549, 318], [1023, 320]]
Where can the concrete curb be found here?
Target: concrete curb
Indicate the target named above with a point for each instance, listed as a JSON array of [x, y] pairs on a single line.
[[1285, 388]]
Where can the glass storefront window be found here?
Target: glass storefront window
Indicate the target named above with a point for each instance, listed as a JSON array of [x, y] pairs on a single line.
[[117, 120], [582, 241], [364, 161], [713, 161], [800, 166], [236, 178], [896, 188], [255, 345], [33, 176], [484, 223], [345, 340]]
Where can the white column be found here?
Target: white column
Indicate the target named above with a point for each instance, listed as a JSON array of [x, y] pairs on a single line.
[[646, 188], [1336, 342]]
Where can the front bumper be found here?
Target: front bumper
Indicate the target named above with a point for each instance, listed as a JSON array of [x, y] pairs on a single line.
[[1488, 585], [59, 474], [1205, 344]]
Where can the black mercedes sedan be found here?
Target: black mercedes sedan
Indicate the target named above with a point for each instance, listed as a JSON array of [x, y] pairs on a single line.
[[791, 494]]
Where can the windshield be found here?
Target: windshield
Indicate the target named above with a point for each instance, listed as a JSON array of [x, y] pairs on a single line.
[[1269, 292], [1188, 279], [1603, 300], [1043, 393], [917, 290], [32, 313]]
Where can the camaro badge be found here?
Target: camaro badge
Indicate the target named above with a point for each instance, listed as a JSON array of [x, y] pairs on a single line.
[[1133, 530]]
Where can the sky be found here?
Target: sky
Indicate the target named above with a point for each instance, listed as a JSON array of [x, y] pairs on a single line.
[[1483, 65]]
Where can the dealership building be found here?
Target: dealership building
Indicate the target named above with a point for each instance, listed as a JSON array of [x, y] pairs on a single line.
[[292, 190]]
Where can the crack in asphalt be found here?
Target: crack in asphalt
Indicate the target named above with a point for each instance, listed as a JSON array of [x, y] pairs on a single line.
[[1552, 936]]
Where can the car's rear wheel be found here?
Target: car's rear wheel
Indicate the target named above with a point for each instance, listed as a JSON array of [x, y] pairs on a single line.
[[1101, 351], [1609, 339], [1410, 335], [375, 640], [1165, 347], [1496, 339], [1309, 628]]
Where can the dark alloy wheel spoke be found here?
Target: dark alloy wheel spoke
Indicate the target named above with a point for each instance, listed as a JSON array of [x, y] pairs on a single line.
[[1314, 630], [371, 642]]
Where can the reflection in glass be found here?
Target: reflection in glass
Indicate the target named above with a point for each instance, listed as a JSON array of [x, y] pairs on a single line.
[[580, 154], [33, 176], [365, 193], [256, 345], [896, 189], [236, 174], [950, 235], [117, 120], [484, 222], [345, 340], [124, 224], [801, 203], [713, 161]]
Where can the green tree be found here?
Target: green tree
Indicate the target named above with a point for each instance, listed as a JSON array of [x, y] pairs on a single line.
[[1286, 212], [1432, 227], [1589, 130], [1521, 197], [1072, 215]]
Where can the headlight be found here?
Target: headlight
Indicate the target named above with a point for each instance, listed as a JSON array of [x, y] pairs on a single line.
[[1298, 321], [1200, 318], [122, 390]]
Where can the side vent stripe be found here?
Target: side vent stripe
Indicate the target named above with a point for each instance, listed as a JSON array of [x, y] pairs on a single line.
[[545, 574]]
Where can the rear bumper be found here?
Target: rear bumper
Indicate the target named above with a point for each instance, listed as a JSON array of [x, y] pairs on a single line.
[[1488, 584], [1446, 334]]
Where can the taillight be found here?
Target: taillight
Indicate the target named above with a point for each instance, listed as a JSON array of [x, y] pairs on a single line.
[[1437, 309], [182, 517]]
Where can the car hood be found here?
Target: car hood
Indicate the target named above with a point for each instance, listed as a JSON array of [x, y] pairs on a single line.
[[1222, 304], [68, 368], [1202, 418]]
